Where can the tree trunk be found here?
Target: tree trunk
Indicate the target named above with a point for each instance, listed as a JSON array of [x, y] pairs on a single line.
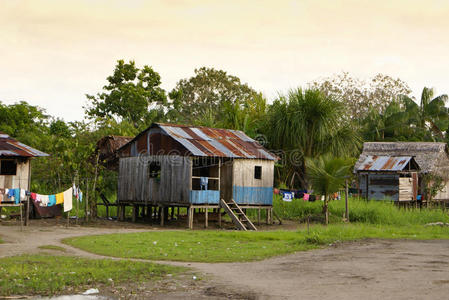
[[326, 209]]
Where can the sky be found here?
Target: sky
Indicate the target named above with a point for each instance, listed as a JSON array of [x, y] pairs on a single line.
[[53, 52]]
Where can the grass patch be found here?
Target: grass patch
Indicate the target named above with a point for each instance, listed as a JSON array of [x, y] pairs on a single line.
[[362, 211], [52, 247], [229, 246], [48, 275]]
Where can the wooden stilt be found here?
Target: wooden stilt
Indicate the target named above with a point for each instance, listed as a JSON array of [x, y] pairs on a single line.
[[162, 210], [135, 213], [258, 216], [206, 217], [219, 217], [191, 213], [268, 216]]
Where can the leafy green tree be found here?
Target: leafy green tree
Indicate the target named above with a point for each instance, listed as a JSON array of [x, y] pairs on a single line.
[[327, 175], [430, 115], [200, 99], [132, 94], [308, 124]]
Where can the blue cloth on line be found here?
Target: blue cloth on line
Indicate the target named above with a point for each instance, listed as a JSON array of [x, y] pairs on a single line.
[[10, 193], [16, 196], [51, 200]]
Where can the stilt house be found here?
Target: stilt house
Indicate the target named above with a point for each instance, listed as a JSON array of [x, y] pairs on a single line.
[[170, 165], [15, 165], [396, 170]]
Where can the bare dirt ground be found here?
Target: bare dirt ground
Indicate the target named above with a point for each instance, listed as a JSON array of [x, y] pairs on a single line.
[[368, 269]]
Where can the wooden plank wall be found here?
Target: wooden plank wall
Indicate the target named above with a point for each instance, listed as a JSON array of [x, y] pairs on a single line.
[[20, 180], [135, 185], [243, 172], [405, 189]]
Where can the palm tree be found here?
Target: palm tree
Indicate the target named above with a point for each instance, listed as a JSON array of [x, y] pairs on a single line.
[[308, 124], [431, 114], [327, 175]]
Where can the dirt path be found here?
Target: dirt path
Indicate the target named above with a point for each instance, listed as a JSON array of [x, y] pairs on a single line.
[[372, 269]]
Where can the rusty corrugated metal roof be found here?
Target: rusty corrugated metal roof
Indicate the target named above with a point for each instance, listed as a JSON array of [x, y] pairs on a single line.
[[384, 163], [205, 141], [12, 147]]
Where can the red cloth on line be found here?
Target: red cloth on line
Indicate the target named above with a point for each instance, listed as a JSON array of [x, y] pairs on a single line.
[[33, 196]]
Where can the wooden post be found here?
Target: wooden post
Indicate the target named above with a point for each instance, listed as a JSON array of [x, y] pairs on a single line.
[[87, 200], [258, 216], [219, 216], [162, 210], [191, 213], [206, 216], [346, 201], [21, 221], [268, 216], [135, 212]]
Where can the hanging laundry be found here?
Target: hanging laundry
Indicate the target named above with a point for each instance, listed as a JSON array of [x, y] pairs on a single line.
[[33, 196], [59, 198], [204, 181], [51, 200], [23, 196], [68, 200], [287, 196], [11, 193], [43, 199], [16, 196], [306, 197]]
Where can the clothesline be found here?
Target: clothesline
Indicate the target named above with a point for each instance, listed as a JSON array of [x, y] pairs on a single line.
[[17, 195]]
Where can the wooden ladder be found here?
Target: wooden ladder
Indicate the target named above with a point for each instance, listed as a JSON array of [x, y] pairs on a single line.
[[237, 215]]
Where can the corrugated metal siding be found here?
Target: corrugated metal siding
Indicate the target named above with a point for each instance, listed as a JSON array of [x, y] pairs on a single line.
[[380, 186], [12, 147], [384, 163]]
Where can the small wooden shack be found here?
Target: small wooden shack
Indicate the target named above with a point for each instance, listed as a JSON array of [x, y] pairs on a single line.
[[395, 170], [15, 166], [170, 165]]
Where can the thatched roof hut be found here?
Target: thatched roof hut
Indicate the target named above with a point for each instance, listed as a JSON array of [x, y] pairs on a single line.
[[431, 157], [395, 170]]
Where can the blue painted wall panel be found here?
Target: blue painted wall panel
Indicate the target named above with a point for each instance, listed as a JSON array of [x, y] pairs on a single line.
[[253, 195], [204, 197]]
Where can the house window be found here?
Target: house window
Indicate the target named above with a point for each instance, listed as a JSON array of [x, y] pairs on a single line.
[[155, 170], [258, 172], [8, 167]]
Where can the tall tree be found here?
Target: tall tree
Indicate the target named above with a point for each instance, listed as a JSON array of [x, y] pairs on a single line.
[[360, 96], [132, 94], [327, 175], [308, 124], [431, 114], [199, 99]]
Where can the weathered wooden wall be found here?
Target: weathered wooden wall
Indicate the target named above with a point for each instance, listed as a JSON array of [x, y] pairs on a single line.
[[20, 180], [246, 188], [135, 184]]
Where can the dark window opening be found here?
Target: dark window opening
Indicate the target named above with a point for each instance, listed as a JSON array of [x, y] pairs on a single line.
[[155, 170], [8, 167], [258, 172]]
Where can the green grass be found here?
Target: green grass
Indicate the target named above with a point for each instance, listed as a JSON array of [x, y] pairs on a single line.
[[48, 275], [228, 246], [52, 247], [362, 211]]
